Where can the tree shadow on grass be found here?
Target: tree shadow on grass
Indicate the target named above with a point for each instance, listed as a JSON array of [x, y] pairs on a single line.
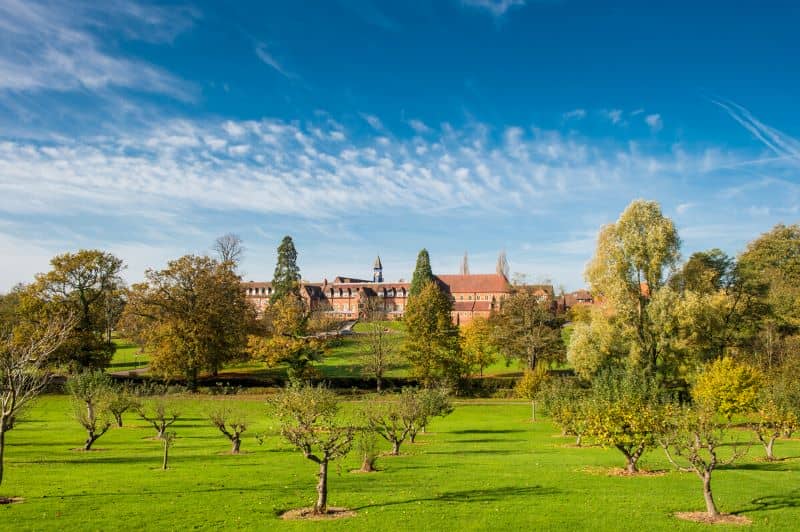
[[486, 431], [773, 502], [778, 465], [479, 495], [482, 451], [487, 440]]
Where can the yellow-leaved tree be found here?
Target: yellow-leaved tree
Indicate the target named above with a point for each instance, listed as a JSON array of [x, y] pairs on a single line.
[[728, 387]]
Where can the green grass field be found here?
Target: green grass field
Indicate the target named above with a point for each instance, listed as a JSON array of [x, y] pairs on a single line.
[[127, 356], [485, 467]]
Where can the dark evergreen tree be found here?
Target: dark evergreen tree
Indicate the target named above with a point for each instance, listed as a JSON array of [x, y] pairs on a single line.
[[422, 273], [286, 279]]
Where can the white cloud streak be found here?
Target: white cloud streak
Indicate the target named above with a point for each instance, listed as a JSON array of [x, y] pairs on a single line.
[[496, 8], [52, 46]]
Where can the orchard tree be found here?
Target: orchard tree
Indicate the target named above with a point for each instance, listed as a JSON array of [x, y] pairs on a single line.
[[167, 441], [567, 405], [423, 275], [366, 445], [778, 411], [630, 267], [432, 342], [121, 399], [625, 412], [23, 371], [231, 423], [527, 329], [91, 393], [477, 344], [192, 316], [86, 286], [286, 279], [427, 403], [391, 419], [160, 412], [693, 436], [728, 387], [309, 419]]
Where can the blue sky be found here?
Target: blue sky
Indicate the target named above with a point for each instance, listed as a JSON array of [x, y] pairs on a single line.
[[363, 127]]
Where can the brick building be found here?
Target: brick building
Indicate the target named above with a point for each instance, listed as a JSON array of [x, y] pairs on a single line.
[[348, 298]]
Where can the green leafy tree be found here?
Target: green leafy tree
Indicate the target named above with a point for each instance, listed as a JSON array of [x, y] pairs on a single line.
[[528, 330], [121, 399], [91, 392], [286, 279], [309, 419], [423, 275], [625, 412], [432, 342], [192, 316], [629, 269], [567, 405]]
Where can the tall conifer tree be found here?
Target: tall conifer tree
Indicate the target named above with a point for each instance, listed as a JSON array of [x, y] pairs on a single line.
[[422, 273], [286, 279]]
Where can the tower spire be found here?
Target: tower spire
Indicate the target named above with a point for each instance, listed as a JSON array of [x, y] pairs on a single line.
[[377, 270], [464, 265]]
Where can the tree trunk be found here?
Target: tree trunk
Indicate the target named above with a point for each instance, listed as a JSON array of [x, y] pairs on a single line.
[[89, 441], [768, 447], [118, 418], [2, 446], [378, 385], [578, 440], [396, 447], [711, 507], [237, 442], [166, 455], [630, 463], [322, 489], [366, 464], [533, 410], [412, 436]]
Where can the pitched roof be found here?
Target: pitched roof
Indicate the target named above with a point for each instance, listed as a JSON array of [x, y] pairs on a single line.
[[482, 282]]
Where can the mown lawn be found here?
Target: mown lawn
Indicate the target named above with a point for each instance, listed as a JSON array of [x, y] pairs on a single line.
[[127, 356], [485, 467]]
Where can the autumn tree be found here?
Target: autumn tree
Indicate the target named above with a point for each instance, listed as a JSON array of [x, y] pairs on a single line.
[[23, 370], [530, 385], [229, 249], [192, 316], [596, 343], [728, 387], [625, 412], [432, 342], [528, 330], [91, 391], [231, 423], [366, 445], [422, 274], [391, 419], [85, 285], [478, 344], [633, 259], [310, 420]]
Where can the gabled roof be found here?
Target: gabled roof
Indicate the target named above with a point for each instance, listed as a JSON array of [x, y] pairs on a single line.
[[482, 282]]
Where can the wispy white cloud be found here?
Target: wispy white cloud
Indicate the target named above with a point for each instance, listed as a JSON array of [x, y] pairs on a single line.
[[419, 126], [654, 122], [267, 58], [613, 115], [575, 114], [497, 8], [683, 208], [374, 122], [53, 46], [780, 143]]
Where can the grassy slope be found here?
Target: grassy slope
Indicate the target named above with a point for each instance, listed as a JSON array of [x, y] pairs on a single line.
[[127, 356], [484, 467]]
